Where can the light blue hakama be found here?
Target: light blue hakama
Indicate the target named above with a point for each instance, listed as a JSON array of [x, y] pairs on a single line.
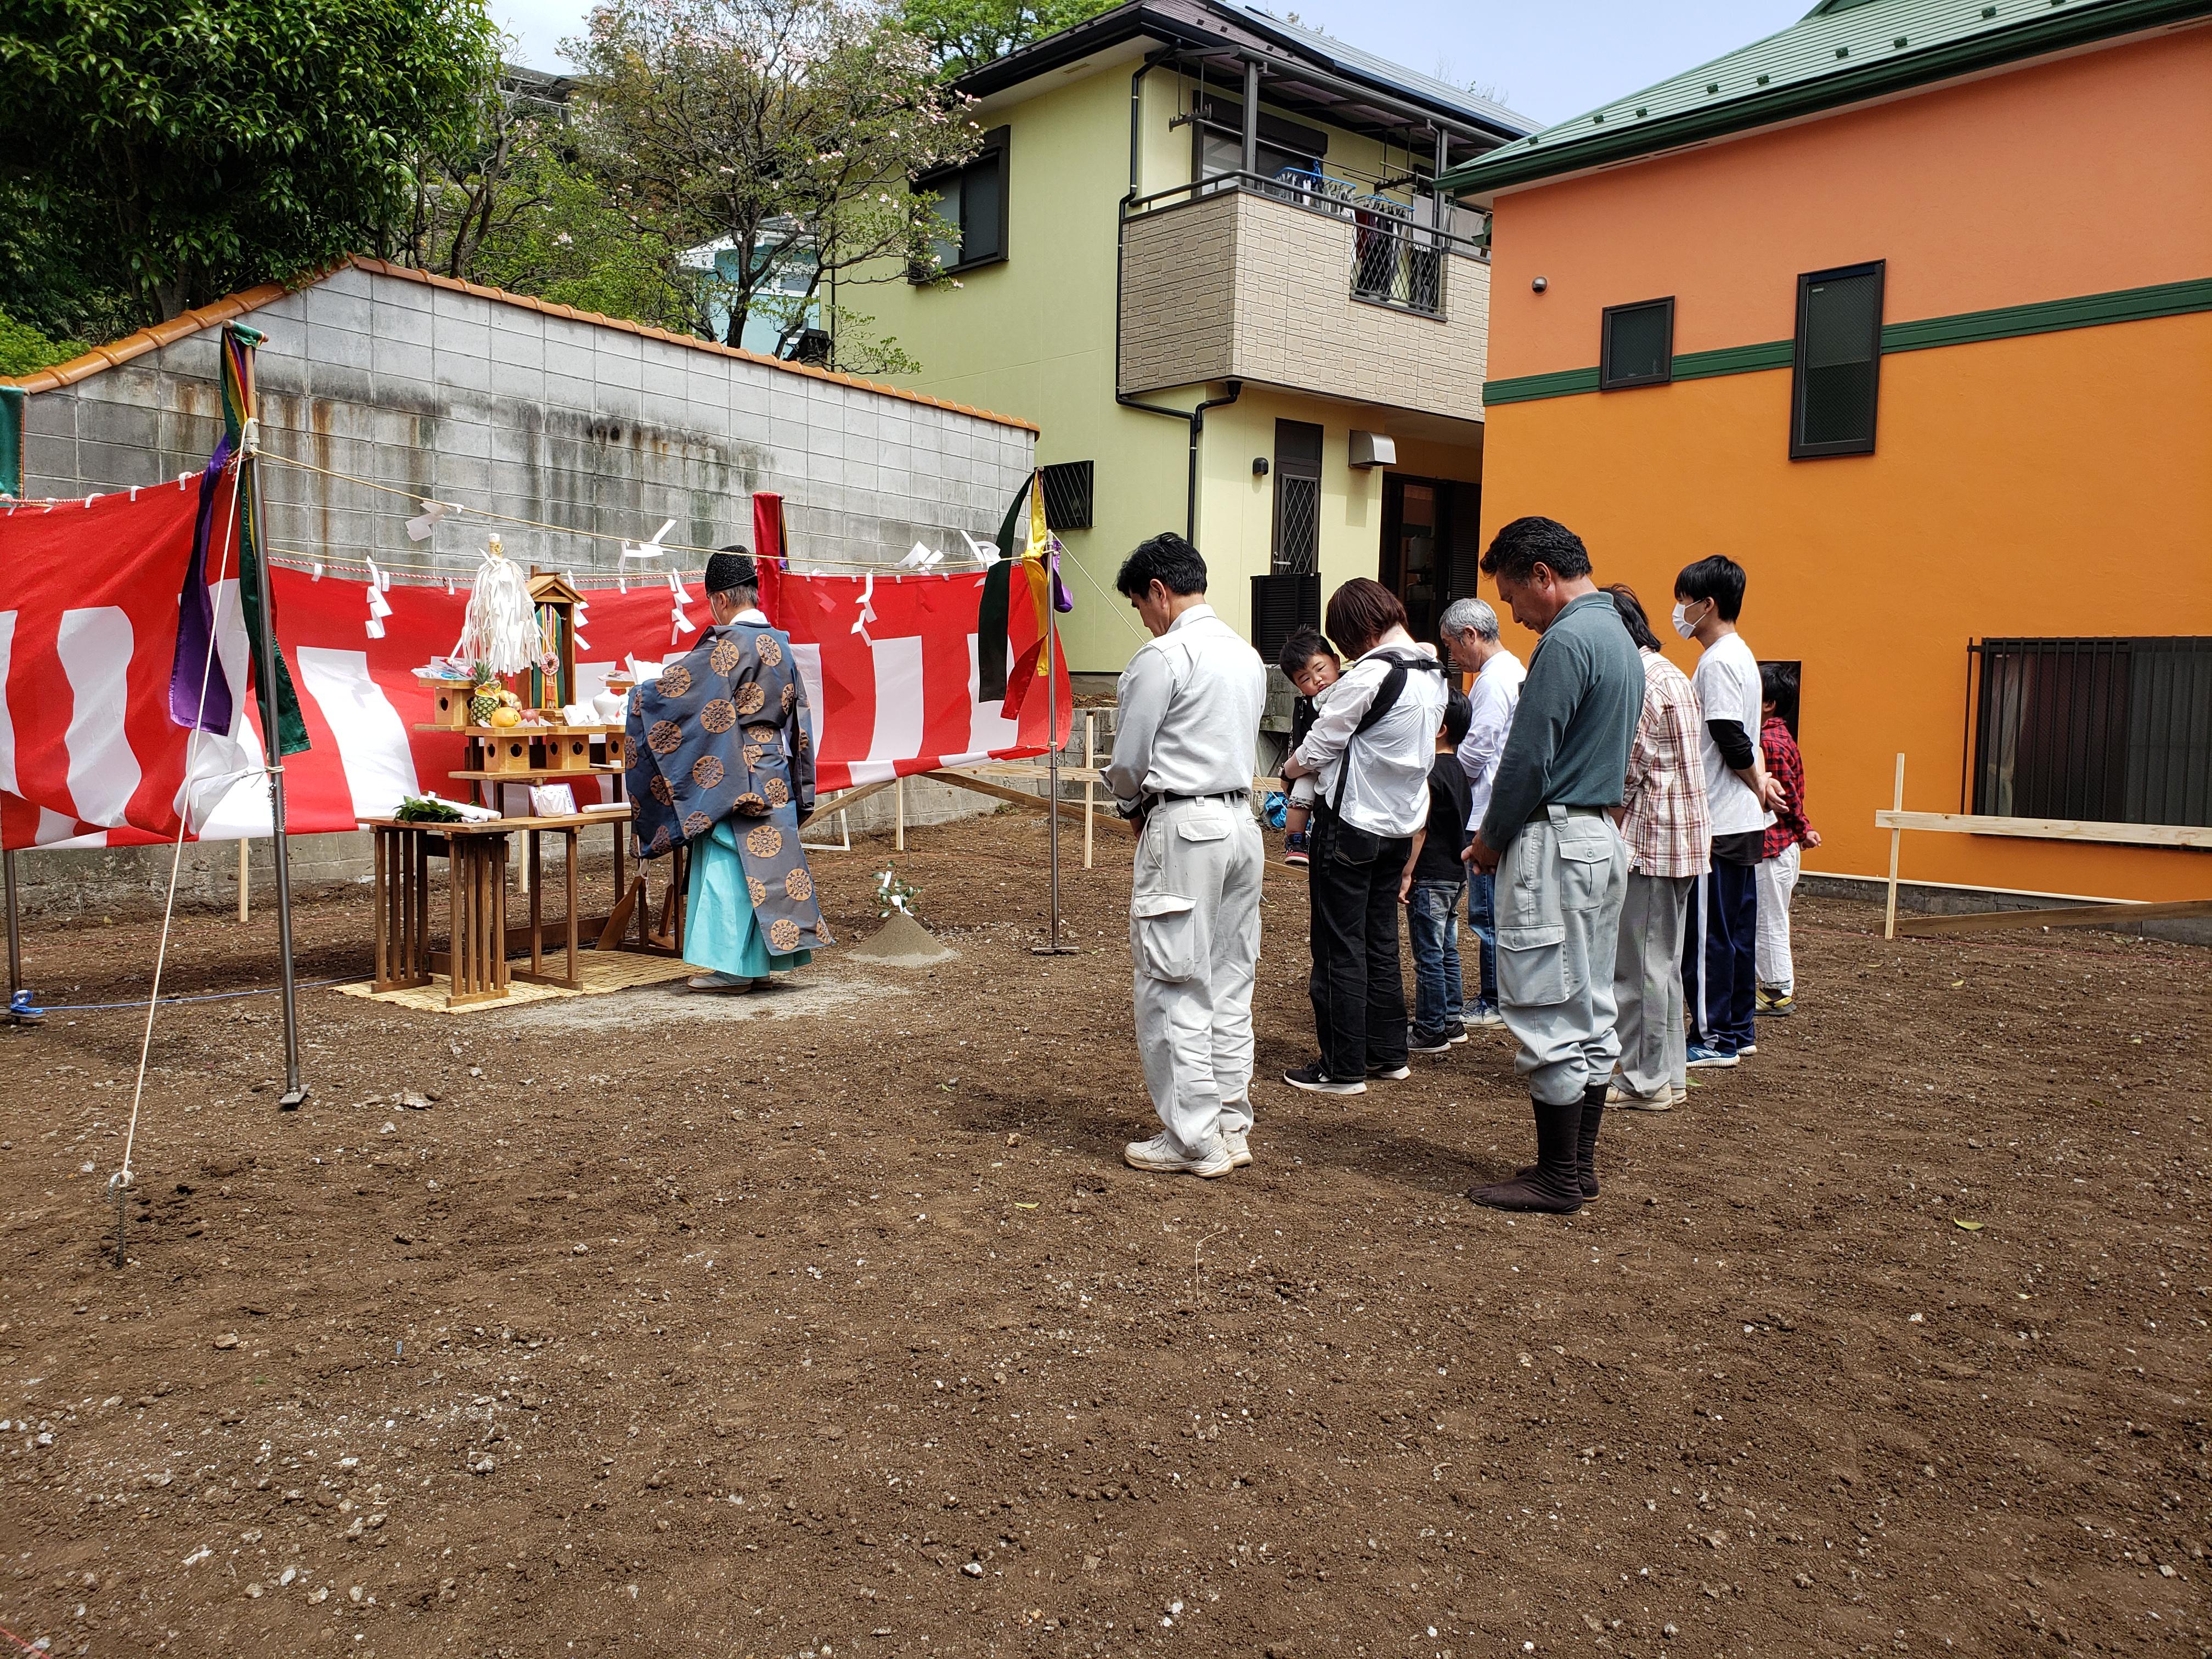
[[720, 929]]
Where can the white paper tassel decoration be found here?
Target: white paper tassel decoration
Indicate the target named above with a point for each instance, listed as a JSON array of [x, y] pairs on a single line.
[[500, 631]]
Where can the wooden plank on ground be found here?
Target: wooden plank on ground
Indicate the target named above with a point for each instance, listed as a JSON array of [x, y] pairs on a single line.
[[2064, 915], [2128, 835], [1069, 809], [825, 807]]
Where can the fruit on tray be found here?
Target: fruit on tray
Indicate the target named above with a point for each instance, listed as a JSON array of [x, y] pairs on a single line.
[[504, 717]]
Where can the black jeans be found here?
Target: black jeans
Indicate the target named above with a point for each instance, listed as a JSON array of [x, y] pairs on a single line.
[[1358, 988]]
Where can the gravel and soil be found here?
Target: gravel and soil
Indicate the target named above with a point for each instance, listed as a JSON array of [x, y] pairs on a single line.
[[826, 1321]]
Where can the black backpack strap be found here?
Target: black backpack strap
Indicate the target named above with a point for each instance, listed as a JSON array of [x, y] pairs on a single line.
[[1386, 699]]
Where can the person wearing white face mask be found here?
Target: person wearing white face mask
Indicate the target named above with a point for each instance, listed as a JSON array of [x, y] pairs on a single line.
[[1720, 978]]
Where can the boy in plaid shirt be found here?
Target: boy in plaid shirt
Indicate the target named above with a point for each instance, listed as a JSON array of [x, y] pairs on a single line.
[[1664, 819], [1777, 875]]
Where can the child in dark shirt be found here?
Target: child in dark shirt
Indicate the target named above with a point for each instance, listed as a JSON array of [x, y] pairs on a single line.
[[1434, 883], [1312, 667]]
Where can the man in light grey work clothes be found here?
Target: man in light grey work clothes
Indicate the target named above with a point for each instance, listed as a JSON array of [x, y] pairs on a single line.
[[1183, 756], [1562, 866]]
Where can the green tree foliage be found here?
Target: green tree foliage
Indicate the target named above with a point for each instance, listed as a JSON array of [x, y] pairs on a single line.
[[786, 129], [965, 35], [216, 144], [23, 349]]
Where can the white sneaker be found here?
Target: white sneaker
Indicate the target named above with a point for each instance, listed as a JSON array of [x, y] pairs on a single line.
[[1485, 1015], [1240, 1148], [1159, 1154], [720, 982]]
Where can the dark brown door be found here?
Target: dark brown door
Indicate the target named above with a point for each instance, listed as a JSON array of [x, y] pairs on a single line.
[[1414, 536]]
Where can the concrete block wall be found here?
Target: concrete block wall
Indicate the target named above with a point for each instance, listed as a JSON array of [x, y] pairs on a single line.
[[465, 396], [1240, 284]]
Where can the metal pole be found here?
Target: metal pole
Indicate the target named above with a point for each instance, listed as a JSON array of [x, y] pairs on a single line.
[[1251, 134], [1052, 740], [1052, 762], [294, 1093], [15, 931]]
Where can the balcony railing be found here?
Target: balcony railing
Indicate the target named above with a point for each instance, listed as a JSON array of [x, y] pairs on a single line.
[[1395, 260]]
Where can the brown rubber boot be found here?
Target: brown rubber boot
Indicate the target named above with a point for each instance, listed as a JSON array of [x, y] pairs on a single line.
[[1554, 1187], [1586, 1146]]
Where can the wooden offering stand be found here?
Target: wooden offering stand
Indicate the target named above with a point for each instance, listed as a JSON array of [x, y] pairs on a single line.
[[544, 750]]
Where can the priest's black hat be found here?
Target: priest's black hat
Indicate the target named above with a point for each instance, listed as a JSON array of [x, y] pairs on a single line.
[[730, 568]]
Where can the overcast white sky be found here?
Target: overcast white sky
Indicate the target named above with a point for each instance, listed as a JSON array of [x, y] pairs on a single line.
[[1547, 59]]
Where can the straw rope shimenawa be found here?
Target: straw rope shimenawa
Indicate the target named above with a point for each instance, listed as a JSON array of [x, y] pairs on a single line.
[[118, 352]]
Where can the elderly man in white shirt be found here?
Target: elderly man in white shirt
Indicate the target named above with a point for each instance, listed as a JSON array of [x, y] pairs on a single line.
[[1184, 756], [1369, 752], [1469, 627]]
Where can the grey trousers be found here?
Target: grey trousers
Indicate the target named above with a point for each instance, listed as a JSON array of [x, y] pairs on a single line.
[[1194, 943], [1560, 889], [1647, 984]]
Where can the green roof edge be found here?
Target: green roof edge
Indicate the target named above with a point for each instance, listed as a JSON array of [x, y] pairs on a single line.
[[2053, 31], [2126, 305]]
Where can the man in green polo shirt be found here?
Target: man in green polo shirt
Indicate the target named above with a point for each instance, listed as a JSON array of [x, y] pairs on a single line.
[[1562, 867]]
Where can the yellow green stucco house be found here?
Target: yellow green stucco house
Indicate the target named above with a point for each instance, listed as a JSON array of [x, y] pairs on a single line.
[[1141, 238]]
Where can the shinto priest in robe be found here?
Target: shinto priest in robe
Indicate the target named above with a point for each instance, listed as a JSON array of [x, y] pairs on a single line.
[[721, 760]]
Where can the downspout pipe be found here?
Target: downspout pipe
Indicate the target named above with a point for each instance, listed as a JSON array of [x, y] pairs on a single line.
[[1190, 485]]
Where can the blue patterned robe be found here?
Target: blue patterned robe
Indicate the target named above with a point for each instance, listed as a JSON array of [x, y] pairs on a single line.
[[721, 757]]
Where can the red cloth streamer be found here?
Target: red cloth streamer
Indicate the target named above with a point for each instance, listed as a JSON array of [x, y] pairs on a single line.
[[90, 756]]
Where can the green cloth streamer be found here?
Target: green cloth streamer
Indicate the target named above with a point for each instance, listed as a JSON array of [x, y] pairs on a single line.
[[992, 648], [11, 440], [240, 401]]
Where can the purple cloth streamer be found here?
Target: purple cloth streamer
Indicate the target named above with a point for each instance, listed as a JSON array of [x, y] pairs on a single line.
[[199, 690]]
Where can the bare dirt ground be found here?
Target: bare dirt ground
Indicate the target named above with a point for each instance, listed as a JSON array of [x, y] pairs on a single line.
[[827, 1323]]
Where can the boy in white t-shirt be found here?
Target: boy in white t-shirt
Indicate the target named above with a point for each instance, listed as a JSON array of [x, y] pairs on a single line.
[[1720, 977]]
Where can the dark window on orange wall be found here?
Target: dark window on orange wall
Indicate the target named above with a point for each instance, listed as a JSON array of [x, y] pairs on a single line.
[[1636, 344], [2113, 731], [1835, 371]]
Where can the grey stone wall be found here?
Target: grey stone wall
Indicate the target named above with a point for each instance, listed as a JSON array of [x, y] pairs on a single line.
[[483, 400]]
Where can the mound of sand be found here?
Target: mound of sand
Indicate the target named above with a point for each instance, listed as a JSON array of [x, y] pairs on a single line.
[[902, 942]]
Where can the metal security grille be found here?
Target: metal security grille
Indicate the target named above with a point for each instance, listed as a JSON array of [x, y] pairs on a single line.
[[1067, 495], [1281, 604], [1297, 526], [2115, 731], [1298, 499], [1397, 264]]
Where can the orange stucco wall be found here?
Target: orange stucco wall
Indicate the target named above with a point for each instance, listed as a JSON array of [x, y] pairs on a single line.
[[2057, 484], [2052, 484], [2078, 176]]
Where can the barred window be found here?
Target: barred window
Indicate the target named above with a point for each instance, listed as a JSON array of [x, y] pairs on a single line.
[[1067, 495]]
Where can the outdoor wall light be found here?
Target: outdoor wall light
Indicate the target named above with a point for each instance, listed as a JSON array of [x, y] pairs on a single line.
[[1259, 466], [1540, 284]]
